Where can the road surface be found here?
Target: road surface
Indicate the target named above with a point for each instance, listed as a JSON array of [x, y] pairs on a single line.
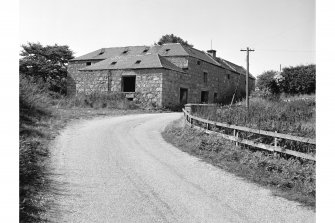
[[120, 169]]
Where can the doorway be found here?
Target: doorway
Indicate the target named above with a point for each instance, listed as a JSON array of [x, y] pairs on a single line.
[[204, 97], [183, 96]]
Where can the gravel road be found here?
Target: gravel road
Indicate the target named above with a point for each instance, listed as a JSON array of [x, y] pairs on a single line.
[[120, 169]]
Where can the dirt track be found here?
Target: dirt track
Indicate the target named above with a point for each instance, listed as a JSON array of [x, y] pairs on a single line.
[[119, 169]]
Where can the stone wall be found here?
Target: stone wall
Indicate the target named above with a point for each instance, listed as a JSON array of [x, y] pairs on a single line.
[[148, 88], [74, 73]]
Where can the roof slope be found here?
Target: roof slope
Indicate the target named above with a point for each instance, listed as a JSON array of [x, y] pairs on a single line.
[[147, 52], [134, 62], [170, 49]]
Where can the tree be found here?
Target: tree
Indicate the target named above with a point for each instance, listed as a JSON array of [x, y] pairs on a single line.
[[46, 63], [298, 79], [267, 81], [170, 38]]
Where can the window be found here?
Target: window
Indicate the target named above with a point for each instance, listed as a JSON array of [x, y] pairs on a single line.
[[205, 77], [113, 63], [88, 63], [145, 50], [185, 69], [138, 62], [198, 62], [167, 50], [228, 76], [215, 97], [125, 51]]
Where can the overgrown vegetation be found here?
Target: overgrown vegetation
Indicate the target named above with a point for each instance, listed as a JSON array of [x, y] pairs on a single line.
[[291, 178], [295, 116]]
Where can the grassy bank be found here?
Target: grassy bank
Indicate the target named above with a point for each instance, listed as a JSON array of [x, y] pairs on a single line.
[[42, 116], [289, 178], [290, 115]]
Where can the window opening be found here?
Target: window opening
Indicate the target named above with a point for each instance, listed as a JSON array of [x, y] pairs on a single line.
[[205, 77], [128, 83], [113, 63], [145, 50], [198, 62], [88, 63], [138, 62], [167, 50]]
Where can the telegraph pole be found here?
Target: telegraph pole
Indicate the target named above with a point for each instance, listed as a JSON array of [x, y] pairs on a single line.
[[247, 78]]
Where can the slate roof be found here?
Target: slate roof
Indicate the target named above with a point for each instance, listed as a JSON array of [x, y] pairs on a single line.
[[165, 50], [238, 69], [170, 49], [129, 62]]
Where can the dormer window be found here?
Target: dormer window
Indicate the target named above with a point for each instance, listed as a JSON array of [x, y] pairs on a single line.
[[88, 63], [138, 62], [113, 63]]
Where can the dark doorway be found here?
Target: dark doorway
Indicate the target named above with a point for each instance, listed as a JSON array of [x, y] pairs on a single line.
[[204, 97], [183, 96], [128, 83], [215, 97]]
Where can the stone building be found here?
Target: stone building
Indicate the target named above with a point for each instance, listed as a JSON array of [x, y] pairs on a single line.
[[164, 75]]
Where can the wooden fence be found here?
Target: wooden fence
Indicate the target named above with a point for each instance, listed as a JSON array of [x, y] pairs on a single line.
[[189, 120]]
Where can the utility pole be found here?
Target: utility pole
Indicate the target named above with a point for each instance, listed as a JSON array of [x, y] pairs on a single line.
[[247, 78]]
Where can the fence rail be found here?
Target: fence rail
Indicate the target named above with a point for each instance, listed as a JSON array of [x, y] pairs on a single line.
[[190, 121]]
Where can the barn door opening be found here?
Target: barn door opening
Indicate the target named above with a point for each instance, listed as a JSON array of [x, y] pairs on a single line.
[[128, 83], [183, 96], [204, 97]]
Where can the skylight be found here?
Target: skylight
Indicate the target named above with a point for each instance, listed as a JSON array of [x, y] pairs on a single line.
[[102, 51], [138, 62], [113, 63]]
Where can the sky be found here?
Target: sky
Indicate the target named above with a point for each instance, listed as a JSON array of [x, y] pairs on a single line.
[[282, 32]]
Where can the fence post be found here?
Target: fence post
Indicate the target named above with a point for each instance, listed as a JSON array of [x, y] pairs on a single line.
[[236, 136], [276, 142]]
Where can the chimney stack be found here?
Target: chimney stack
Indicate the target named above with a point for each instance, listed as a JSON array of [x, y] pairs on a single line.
[[212, 53]]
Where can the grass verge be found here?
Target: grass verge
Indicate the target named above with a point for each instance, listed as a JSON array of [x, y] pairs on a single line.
[[288, 178]]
